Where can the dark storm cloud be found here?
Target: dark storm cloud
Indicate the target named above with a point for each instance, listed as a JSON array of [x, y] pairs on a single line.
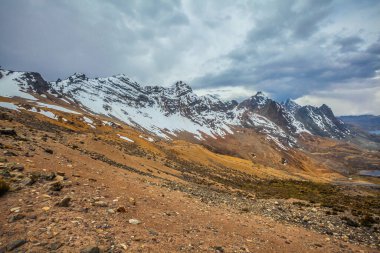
[[349, 44], [289, 52], [99, 38], [285, 48]]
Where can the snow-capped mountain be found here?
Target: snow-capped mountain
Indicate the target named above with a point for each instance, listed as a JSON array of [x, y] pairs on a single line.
[[169, 111]]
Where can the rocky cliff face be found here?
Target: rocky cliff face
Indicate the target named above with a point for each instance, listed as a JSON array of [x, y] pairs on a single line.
[[168, 111]]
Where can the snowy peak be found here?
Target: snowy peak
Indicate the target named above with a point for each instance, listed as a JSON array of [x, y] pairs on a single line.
[[257, 101], [291, 105], [168, 111], [321, 121], [180, 88], [21, 84]]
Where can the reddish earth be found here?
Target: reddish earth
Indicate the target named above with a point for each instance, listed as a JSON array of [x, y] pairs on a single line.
[[105, 176]]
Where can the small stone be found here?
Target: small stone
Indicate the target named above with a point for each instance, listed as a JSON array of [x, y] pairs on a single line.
[[48, 176], [132, 201], [55, 245], [219, 249], [55, 186], [65, 202], [134, 221], [8, 131], [90, 249], [121, 209], [100, 204], [15, 209], [17, 167], [59, 178], [15, 244], [9, 153], [16, 217], [60, 173], [46, 208], [111, 211], [28, 181], [48, 150]]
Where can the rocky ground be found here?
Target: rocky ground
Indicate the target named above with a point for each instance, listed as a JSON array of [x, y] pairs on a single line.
[[64, 197]]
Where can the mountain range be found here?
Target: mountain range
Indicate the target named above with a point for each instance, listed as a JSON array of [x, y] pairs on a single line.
[[169, 111]]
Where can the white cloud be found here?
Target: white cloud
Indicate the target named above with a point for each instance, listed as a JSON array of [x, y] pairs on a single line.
[[352, 99], [283, 47], [227, 93]]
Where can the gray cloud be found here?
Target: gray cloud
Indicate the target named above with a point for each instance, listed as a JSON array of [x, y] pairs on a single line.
[[285, 48]]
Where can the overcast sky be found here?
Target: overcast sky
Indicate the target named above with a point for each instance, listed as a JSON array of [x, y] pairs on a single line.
[[313, 51]]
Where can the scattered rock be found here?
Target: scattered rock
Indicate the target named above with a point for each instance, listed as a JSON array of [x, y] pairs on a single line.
[[15, 209], [59, 178], [65, 202], [9, 153], [55, 186], [90, 249], [49, 151], [15, 244], [8, 131], [219, 249], [48, 176], [121, 209], [60, 173], [16, 166], [28, 181], [100, 204], [111, 211], [132, 201], [55, 245], [46, 208], [134, 221], [4, 187], [16, 217]]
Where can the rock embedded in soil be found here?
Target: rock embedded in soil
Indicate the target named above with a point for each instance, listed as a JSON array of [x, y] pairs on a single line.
[[28, 181], [55, 245], [16, 217], [8, 131], [55, 186], [49, 151], [15, 244], [65, 202], [90, 249], [134, 221], [121, 209], [9, 153], [100, 204], [17, 167]]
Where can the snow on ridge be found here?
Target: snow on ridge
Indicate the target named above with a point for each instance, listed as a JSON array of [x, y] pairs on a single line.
[[8, 105], [125, 138], [58, 108], [9, 80]]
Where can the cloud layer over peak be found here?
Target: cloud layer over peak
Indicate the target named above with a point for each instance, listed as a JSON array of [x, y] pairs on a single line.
[[319, 51]]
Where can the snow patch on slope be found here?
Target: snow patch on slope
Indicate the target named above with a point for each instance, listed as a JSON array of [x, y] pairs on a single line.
[[10, 106], [8, 82], [125, 138]]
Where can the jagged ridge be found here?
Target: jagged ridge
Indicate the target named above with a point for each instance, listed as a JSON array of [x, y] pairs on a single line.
[[168, 111]]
